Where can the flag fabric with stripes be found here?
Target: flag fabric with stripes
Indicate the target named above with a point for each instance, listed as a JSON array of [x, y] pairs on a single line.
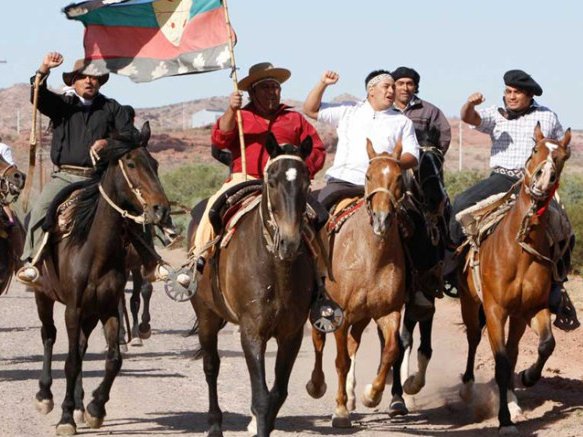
[[150, 39]]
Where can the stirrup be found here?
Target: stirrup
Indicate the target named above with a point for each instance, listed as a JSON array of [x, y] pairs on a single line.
[[326, 315], [28, 275], [566, 319], [181, 285]]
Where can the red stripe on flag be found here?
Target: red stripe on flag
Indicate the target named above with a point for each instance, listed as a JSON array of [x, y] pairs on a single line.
[[203, 31]]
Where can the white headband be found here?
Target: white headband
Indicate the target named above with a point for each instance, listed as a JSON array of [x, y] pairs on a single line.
[[377, 79]]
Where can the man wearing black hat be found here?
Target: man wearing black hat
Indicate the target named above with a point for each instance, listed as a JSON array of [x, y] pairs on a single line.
[[511, 130], [423, 114], [82, 120]]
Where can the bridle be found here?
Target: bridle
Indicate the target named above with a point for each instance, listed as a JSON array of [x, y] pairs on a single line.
[[270, 228], [396, 203]]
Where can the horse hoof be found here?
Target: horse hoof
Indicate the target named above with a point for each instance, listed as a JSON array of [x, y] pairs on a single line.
[[252, 427], [351, 404], [136, 342], [79, 416], [123, 348], [411, 386], [508, 430], [368, 399], [398, 408], [526, 382], [93, 422], [145, 333], [341, 422], [45, 406], [215, 433], [313, 390], [66, 429], [467, 391], [515, 411]]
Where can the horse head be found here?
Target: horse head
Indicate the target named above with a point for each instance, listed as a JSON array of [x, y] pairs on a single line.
[[429, 172], [545, 164], [285, 191], [137, 189], [11, 181], [383, 188]]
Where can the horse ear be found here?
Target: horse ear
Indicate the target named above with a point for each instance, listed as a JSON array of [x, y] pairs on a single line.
[[271, 145], [567, 138], [369, 149], [398, 150], [306, 147], [538, 133], [145, 134]]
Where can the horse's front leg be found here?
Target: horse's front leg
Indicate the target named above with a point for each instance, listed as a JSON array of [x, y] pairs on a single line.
[[414, 383], [353, 343], [144, 328], [95, 412], [87, 327], [44, 397], [472, 317], [389, 325], [135, 301], [341, 416], [541, 324], [516, 329], [316, 386], [397, 406], [254, 350]]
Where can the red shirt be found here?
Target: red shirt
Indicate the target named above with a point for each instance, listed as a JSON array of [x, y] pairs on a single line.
[[288, 127]]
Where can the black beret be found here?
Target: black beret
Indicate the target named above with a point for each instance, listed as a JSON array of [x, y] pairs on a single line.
[[402, 72], [521, 80]]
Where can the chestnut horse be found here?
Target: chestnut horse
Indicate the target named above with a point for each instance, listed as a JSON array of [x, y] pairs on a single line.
[[263, 281], [11, 234], [368, 265], [515, 276], [86, 271]]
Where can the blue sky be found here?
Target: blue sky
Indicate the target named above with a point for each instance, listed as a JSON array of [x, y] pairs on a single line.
[[457, 46]]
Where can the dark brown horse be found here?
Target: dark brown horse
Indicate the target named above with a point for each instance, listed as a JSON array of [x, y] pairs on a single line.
[[515, 278], [87, 272], [11, 233], [368, 265], [263, 281]]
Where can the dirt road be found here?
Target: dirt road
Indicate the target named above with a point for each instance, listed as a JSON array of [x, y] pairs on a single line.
[[161, 389]]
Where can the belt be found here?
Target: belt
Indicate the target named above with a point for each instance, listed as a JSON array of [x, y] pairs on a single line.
[[512, 172], [78, 171]]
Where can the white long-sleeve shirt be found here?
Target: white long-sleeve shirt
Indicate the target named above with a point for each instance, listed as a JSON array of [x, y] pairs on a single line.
[[6, 153]]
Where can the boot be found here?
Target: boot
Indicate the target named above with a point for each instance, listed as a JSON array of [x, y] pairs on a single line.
[[560, 304]]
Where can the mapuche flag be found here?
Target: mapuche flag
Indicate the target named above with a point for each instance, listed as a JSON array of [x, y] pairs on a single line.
[[150, 39]]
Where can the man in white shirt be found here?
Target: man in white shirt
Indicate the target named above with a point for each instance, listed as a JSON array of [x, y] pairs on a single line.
[[373, 118], [6, 155]]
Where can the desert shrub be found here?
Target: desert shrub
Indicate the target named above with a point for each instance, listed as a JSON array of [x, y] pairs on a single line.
[[458, 181]]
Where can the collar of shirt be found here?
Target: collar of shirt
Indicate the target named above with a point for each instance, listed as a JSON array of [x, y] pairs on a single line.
[[510, 116], [367, 107], [412, 103]]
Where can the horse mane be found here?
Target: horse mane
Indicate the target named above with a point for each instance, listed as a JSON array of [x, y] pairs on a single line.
[[428, 137]]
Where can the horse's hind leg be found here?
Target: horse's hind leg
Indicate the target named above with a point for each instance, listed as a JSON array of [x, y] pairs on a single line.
[[95, 411], [287, 352], [353, 343], [515, 332], [135, 306], [389, 325], [397, 406], [471, 315], [541, 324], [316, 386], [44, 397]]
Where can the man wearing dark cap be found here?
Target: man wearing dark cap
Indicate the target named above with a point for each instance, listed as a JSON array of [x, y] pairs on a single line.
[[511, 130], [82, 120], [423, 114]]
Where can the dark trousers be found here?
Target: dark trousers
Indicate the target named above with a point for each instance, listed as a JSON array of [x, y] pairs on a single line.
[[494, 184], [336, 190]]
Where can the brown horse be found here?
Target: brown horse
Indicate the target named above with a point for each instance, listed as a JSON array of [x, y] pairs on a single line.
[[87, 272], [368, 264], [262, 280], [11, 234], [515, 278]]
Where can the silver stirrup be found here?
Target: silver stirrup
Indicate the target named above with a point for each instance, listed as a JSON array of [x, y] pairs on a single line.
[[177, 291], [327, 319]]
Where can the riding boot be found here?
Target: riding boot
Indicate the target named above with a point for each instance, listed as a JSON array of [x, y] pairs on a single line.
[[560, 304], [325, 314]]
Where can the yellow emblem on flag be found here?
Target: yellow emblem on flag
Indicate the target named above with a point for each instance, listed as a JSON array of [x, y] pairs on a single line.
[[172, 16]]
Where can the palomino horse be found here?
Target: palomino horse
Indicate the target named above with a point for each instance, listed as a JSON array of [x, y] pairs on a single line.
[[368, 263], [262, 280], [515, 279], [87, 272], [426, 248], [11, 235]]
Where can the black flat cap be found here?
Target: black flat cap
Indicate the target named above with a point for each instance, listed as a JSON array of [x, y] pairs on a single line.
[[521, 80], [402, 72]]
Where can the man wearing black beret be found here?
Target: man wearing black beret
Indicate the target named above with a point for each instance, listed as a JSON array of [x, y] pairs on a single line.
[[423, 114], [511, 130]]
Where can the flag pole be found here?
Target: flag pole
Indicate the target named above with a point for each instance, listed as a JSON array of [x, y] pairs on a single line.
[[236, 89], [32, 150]]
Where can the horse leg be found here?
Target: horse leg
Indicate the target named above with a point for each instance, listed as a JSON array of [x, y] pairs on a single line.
[[414, 383], [135, 306], [254, 350], [44, 397], [390, 325], [287, 352], [146, 290], [341, 416], [95, 412], [316, 386], [123, 344], [515, 332], [87, 327], [353, 344], [495, 320], [471, 311], [397, 406], [541, 324], [209, 326], [66, 425]]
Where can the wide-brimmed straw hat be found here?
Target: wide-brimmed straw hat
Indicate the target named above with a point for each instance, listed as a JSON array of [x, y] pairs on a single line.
[[263, 70], [81, 67]]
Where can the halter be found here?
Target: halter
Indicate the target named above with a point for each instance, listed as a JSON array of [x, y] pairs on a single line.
[[532, 176], [5, 196], [272, 239], [396, 203]]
